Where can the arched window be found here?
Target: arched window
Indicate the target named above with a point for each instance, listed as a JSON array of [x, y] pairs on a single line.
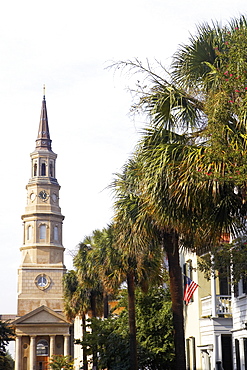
[[43, 169], [42, 232], [29, 232], [42, 348], [51, 170], [35, 169], [55, 233]]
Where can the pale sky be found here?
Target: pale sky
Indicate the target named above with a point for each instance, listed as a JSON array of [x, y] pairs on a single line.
[[67, 45]]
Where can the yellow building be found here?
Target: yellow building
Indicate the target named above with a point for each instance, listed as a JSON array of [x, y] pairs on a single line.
[[208, 320], [41, 327]]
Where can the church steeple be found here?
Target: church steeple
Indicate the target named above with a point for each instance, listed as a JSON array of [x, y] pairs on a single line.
[[41, 329], [42, 250], [43, 139], [43, 158]]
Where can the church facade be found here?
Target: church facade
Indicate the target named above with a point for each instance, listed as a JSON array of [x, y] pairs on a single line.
[[41, 327]]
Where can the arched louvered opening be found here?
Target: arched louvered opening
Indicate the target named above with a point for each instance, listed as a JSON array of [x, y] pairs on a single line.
[[43, 169], [35, 169]]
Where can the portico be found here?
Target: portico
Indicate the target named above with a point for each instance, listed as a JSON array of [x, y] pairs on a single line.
[[39, 335]]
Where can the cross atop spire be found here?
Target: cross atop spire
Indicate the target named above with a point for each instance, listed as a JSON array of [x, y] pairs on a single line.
[[43, 139]]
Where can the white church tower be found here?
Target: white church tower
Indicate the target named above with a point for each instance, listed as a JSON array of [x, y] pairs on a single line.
[[41, 328]]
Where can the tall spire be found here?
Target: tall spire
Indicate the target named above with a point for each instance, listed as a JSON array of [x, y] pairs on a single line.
[[43, 139]]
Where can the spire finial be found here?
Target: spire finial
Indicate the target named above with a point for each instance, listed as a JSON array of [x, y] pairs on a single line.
[[44, 91]]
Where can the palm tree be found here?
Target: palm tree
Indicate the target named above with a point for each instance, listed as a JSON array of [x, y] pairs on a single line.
[[76, 303], [102, 264], [105, 256], [192, 157], [83, 290], [139, 245], [90, 284], [142, 235], [88, 276]]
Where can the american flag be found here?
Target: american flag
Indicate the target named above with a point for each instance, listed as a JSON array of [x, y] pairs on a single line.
[[190, 287]]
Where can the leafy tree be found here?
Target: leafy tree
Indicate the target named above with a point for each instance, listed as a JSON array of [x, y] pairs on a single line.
[[7, 362], [60, 362], [155, 330], [227, 259], [6, 334], [155, 338]]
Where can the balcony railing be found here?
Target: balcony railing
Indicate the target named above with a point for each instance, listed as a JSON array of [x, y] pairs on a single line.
[[223, 306]]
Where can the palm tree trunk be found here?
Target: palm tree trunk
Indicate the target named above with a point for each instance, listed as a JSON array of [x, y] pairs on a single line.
[[132, 321], [172, 250], [106, 305]]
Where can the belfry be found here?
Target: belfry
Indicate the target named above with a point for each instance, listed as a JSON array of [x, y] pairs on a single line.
[[41, 327]]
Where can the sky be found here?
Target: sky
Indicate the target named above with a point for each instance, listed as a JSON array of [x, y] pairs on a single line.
[[68, 46]]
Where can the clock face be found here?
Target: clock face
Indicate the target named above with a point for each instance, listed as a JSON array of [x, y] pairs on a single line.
[[42, 281], [43, 195]]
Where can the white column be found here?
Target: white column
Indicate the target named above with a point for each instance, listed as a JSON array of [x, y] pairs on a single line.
[[17, 353], [213, 288], [66, 350], [241, 350], [218, 350], [52, 345], [32, 353]]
